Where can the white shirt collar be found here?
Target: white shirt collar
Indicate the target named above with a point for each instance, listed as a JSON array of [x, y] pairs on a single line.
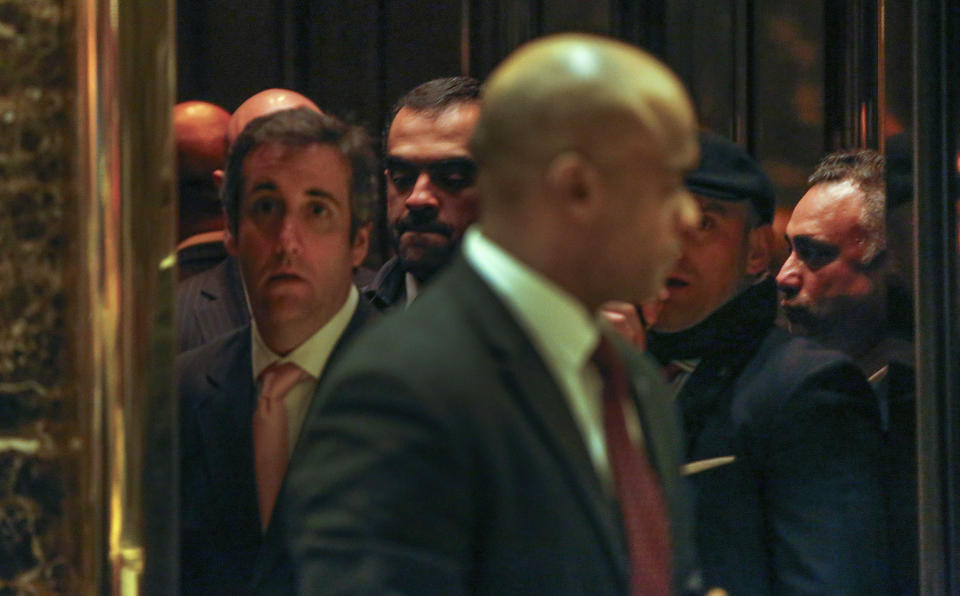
[[411, 286], [563, 331], [313, 353]]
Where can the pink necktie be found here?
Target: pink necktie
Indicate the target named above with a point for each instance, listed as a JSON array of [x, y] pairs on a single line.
[[270, 442], [638, 487]]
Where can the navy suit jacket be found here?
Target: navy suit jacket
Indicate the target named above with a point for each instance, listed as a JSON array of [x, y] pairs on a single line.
[[800, 510], [440, 457], [210, 304], [220, 517]]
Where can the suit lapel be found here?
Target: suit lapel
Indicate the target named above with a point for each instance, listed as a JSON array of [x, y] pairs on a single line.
[[653, 403], [224, 415], [528, 380], [222, 305]]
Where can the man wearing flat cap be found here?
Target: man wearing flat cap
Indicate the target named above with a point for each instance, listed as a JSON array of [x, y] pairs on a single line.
[[782, 434]]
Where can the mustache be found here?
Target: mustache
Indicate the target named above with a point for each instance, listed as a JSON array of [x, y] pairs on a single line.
[[419, 224]]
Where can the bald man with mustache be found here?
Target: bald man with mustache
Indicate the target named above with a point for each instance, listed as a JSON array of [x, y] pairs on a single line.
[[492, 438]]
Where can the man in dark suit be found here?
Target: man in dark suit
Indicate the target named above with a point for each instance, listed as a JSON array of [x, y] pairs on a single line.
[[298, 193], [486, 440], [431, 190], [782, 435], [839, 286], [211, 303]]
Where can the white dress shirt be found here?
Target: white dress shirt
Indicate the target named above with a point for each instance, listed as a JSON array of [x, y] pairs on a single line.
[[563, 332], [311, 356]]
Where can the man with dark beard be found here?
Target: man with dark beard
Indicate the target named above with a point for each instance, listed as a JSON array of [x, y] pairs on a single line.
[[431, 192]]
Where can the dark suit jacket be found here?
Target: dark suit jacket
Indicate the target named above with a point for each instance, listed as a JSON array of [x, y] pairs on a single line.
[[800, 510], [388, 290], [441, 458], [220, 517], [210, 304], [198, 258]]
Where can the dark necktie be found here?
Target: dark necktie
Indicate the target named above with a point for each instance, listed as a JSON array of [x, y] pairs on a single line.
[[638, 488]]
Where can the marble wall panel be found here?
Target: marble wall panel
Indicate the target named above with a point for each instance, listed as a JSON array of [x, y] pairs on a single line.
[[37, 468]]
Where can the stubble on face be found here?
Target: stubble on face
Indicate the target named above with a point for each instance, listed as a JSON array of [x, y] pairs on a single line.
[[428, 222]]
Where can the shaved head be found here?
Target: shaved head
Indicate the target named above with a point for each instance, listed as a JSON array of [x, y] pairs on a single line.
[[263, 103], [200, 129], [572, 92], [582, 144]]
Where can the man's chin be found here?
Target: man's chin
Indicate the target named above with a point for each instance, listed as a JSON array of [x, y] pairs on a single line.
[[800, 320], [423, 263]]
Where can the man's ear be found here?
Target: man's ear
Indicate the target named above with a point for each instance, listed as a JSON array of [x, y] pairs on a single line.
[[218, 179], [573, 180], [760, 243], [361, 244], [229, 240]]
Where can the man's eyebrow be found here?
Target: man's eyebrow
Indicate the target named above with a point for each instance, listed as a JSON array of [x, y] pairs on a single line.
[[319, 192], [265, 185], [715, 207], [813, 242]]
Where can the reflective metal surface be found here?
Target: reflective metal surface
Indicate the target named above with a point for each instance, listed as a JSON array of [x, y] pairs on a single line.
[[936, 27], [124, 346]]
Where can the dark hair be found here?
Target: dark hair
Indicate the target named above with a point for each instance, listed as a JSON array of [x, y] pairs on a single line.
[[435, 96], [301, 127], [865, 169]]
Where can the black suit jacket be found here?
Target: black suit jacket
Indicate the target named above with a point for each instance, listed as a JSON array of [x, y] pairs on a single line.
[[388, 290], [800, 509], [220, 517], [198, 258], [441, 458], [210, 304]]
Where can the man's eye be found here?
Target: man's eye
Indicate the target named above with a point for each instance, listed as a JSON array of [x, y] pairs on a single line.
[[264, 206], [318, 209], [707, 222], [403, 181], [816, 255]]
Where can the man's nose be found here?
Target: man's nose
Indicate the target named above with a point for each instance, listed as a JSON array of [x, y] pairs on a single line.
[[688, 216], [290, 235], [788, 279], [423, 195]]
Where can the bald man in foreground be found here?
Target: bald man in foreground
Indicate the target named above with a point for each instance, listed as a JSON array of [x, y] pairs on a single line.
[[484, 440]]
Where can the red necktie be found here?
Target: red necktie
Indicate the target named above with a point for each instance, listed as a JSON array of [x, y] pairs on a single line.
[[638, 487], [270, 441]]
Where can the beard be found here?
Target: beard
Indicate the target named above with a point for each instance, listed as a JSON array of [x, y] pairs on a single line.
[[424, 245]]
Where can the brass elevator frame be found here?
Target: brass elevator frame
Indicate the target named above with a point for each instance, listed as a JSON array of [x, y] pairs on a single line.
[[124, 278]]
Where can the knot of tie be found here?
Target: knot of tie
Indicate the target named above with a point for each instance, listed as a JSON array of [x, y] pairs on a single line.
[[270, 432], [278, 379]]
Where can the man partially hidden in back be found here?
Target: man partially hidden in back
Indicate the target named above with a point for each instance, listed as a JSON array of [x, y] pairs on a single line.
[[431, 185], [835, 287]]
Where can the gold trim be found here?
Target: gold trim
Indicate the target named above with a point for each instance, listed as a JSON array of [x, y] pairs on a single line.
[[123, 342]]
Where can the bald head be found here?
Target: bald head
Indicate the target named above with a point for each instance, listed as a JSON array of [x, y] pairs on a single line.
[[200, 129], [573, 92], [263, 103], [582, 144]]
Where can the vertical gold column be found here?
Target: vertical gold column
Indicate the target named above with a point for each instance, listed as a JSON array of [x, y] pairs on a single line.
[[123, 323]]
